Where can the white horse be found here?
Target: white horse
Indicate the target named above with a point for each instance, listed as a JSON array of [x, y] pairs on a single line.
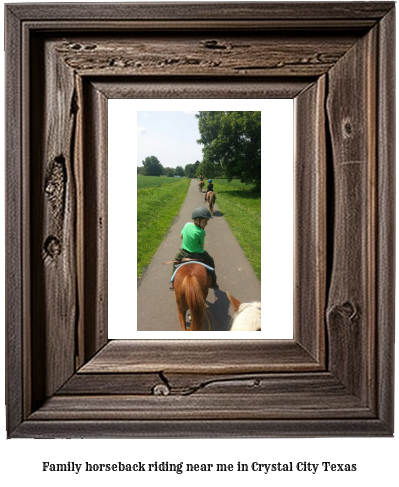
[[247, 315]]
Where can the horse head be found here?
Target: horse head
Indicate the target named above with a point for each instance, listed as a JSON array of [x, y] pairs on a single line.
[[247, 315]]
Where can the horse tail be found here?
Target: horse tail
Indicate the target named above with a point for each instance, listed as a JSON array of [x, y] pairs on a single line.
[[195, 301], [211, 201]]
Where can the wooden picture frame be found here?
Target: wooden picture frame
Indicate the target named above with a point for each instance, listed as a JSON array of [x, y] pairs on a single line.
[[64, 378]]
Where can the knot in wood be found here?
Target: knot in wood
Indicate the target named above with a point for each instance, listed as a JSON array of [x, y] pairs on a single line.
[[90, 47], [52, 247], [346, 310], [213, 44], [347, 128], [161, 390], [55, 183], [50, 189]]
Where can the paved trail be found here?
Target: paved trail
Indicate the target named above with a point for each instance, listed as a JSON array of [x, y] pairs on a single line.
[[156, 306]]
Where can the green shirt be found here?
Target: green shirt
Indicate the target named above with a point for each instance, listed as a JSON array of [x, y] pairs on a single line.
[[193, 238]]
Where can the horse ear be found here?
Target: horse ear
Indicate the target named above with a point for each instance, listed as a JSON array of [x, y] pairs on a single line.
[[236, 304]]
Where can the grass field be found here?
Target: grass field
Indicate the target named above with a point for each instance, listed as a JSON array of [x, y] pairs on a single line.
[[158, 202], [241, 207], [144, 182]]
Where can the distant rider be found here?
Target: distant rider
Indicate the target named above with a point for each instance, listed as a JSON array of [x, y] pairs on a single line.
[[209, 187]]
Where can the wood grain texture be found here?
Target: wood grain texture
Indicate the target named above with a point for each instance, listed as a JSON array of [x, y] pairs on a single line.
[[362, 13], [184, 384], [351, 300], [197, 407], [335, 377], [53, 213], [269, 396], [246, 55], [178, 87], [310, 200], [385, 224], [200, 356], [95, 223], [16, 237], [189, 428]]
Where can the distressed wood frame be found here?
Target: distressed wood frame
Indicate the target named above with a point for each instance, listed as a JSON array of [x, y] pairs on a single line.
[[64, 378]]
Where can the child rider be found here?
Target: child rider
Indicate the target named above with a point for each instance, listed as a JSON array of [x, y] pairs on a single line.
[[209, 187], [193, 236]]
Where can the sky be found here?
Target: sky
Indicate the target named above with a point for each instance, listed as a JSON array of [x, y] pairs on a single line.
[[171, 136]]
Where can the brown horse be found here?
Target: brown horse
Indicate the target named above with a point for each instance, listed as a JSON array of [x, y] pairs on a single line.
[[192, 282], [201, 185], [211, 198]]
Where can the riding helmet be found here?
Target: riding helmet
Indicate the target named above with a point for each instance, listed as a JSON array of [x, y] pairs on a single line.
[[209, 180], [201, 212]]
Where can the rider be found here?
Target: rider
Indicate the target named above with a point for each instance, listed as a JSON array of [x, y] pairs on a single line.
[[193, 236], [209, 187]]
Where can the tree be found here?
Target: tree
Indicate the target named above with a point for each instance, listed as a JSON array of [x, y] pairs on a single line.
[[189, 171], [169, 172], [179, 171], [152, 166], [232, 144], [208, 169]]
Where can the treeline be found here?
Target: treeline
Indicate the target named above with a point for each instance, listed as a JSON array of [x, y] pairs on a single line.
[[231, 149], [152, 167]]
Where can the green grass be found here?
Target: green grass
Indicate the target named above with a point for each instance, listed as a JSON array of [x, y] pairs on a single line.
[[158, 203], [241, 206], [154, 181]]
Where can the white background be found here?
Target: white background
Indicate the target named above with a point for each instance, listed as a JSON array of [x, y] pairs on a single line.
[[277, 213], [376, 459]]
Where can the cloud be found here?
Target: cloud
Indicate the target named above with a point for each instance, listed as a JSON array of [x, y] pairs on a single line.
[[142, 130]]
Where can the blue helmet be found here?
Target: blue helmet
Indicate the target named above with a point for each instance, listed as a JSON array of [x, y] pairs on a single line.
[[209, 180]]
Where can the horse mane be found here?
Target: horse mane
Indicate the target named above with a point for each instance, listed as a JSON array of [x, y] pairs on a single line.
[[247, 318]]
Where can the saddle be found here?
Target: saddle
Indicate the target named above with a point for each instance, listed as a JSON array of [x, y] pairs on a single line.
[[185, 261]]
